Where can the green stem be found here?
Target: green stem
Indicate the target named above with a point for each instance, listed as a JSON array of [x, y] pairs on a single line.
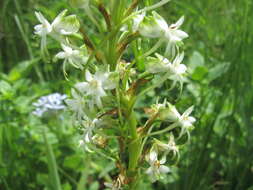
[[163, 79], [174, 125], [153, 49], [134, 147]]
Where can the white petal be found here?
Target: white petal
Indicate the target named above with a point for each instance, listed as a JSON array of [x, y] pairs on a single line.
[[180, 34], [88, 76], [160, 21], [40, 17], [149, 171], [191, 119], [98, 102], [163, 160], [181, 69], [66, 48], [179, 58], [60, 55], [101, 76], [179, 22], [164, 169], [188, 111], [173, 114], [59, 17], [82, 86], [153, 156]]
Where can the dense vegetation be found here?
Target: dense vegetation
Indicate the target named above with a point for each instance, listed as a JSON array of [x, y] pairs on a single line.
[[219, 55]]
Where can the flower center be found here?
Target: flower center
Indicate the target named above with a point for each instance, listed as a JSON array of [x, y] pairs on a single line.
[[157, 164], [94, 84]]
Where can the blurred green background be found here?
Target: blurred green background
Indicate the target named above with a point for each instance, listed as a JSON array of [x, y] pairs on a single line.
[[219, 54]]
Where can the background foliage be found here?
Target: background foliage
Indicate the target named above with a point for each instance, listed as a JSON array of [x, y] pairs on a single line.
[[43, 154]]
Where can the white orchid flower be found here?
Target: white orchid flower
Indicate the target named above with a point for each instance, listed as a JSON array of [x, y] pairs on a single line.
[[157, 167], [174, 34], [185, 121], [65, 25], [177, 69], [89, 127], [74, 57], [96, 86], [77, 105], [42, 30], [155, 26], [61, 25], [159, 64], [88, 137], [168, 147]]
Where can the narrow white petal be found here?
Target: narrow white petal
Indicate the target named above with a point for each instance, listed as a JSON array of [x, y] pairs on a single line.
[[40, 17], [179, 22], [160, 21], [153, 156], [188, 111], [163, 160]]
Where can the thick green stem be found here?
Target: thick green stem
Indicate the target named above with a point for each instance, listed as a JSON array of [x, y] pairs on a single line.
[[134, 146]]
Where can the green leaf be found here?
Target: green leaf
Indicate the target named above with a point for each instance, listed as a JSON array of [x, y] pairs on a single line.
[[21, 70], [196, 60], [52, 166], [66, 186], [73, 162], [218, 71], [199, 73], [94, 186], [5, 87]]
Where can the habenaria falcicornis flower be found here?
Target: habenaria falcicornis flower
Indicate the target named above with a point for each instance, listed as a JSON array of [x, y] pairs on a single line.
[[72, 56], [185, 121], [107, 102], [155, 26], [62, 25], [167, 147], [65, 25], [157, 167], [96, 86], [77, 105], [176, 70]]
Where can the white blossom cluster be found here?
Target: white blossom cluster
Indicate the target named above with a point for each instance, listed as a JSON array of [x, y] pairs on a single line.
[[51, 102], [102, 101]]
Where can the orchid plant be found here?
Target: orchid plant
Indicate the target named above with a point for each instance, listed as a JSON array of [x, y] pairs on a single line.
[[104, 101]]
